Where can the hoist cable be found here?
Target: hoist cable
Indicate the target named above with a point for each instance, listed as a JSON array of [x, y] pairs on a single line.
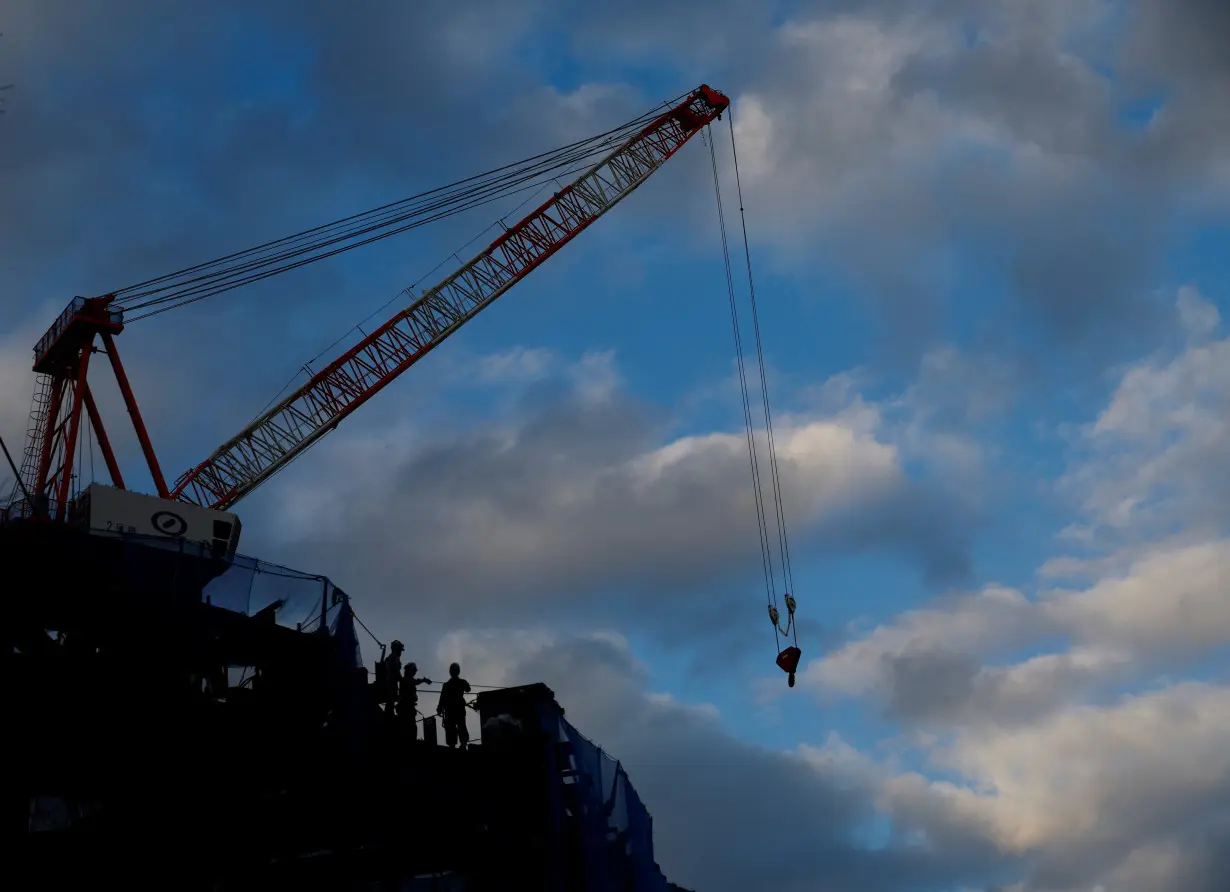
[[783, 540], [766, 552]]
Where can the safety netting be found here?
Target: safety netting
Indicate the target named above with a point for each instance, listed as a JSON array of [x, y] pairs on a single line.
[[241, 584], [615, 827]]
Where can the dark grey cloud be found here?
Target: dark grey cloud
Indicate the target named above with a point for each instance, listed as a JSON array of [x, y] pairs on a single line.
[[929, 683], [1024, 83], [727, 815], [1181, 42], [937, 688], [1009, 157], [573, 498], [229, 124], [143, 139]]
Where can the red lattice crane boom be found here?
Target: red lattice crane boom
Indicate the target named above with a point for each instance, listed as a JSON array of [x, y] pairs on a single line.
[[271, 441], [279, 435]]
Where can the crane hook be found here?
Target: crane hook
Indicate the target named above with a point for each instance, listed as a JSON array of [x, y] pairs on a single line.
[[788, 660]]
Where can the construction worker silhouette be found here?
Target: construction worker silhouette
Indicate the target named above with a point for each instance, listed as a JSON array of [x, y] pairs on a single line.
[[408, 699], [388, 676], [452, 707]]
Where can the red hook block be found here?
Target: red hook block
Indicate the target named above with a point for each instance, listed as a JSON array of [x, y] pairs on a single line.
[[788, 660]]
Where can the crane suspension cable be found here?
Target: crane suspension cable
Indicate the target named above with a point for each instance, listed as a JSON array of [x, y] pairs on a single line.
[[241, 268], [222, 283], [788, 658], [766, 552], [391, 208], [262, 266], [783, 539]]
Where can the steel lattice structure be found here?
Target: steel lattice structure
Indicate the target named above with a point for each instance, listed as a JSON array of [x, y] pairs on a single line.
[[269, 443], [278, 436]]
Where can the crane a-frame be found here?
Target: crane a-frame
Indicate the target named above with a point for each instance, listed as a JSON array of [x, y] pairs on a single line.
[[200, 498]]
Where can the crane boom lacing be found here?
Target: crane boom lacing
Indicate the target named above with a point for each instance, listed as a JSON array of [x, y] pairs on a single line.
[[280, 434]]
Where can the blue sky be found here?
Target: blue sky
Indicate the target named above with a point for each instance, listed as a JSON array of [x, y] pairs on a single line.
[[989, 275]]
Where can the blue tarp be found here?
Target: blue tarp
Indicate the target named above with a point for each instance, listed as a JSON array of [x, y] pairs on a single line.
[[246, 586], [616, 828]]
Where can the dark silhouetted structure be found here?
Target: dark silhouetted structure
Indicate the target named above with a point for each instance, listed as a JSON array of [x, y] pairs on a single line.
[[166, 732]]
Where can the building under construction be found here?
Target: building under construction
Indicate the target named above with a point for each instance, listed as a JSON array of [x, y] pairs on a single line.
[[162, 739]]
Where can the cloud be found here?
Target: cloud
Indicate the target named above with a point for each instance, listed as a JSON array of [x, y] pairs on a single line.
[[1055, 724], [1177, 49], [1151, 464], [938, 665], [1049, 791], [991, 618], [1042, 800], [580, 490], [1153, 593], [786, 820], [932, 153], [1170, 602]]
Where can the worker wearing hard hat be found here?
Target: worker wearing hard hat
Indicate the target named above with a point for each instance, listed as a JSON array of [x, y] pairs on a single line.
[[408, 699], [388, 675], [452, 707]]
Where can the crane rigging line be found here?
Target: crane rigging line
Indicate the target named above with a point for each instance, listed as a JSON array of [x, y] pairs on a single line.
[[219, 283], [262, 266], [766, 550], [783, 539], [240, 268], [546, 158], [369, 223]]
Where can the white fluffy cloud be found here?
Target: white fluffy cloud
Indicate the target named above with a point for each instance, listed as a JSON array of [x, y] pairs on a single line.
[[1083, 795], [805, 809], [1153, 461], [1087, 790], [1021, 695], [581, 494]]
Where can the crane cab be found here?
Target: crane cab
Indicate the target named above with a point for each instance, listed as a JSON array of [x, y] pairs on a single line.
[[110, 511]]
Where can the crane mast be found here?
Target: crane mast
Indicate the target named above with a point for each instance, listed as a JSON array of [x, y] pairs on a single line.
[[274, 439]]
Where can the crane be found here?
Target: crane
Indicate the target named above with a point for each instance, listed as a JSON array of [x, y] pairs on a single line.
[[205, 493], [196, 508]]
